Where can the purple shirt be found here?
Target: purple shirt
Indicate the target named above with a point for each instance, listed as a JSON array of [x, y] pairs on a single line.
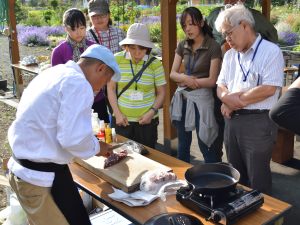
[[62, 53]]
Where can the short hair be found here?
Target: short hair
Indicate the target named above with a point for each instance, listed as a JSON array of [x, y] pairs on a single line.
[[234, 15], [74, 18], [87, 61]]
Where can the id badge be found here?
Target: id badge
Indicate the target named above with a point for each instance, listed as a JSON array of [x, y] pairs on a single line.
[[136, 95]]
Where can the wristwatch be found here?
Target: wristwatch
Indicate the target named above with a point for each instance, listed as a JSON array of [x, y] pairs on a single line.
[[154, 109]]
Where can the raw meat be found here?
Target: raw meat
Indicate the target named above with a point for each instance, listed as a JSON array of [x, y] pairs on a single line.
[[114, 158]]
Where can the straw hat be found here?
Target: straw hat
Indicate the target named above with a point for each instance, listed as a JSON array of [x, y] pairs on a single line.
[[138, 34]]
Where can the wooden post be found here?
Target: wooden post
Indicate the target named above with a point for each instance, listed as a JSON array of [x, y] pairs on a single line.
[[266, 8], [169, 42], [14, 46]]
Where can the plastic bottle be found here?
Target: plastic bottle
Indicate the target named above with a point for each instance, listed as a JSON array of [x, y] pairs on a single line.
[[95, 123], [108, 136], [101, 133], [114, 135]]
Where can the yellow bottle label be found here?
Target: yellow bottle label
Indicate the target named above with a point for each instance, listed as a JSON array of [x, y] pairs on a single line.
[[108, 136]]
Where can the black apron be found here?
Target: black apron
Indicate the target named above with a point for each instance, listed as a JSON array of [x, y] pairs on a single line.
[[64, 191]]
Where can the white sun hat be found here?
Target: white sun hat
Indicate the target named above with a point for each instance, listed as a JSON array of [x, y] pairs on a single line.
[[138, 34]]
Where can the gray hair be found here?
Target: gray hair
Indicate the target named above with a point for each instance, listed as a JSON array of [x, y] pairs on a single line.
[[233, 15]]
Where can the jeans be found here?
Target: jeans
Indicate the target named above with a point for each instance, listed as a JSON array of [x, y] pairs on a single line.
[[210, 155]]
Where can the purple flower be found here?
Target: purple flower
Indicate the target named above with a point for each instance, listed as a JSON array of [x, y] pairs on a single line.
[[288, 37], [37, 35], [150, 19]]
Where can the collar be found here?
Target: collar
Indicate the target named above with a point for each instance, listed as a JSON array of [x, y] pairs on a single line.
[[205, 44], [75, 66], [128, 56], [253, 46]]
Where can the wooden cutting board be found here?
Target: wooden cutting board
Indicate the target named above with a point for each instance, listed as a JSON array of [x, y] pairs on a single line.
[[126, 174]]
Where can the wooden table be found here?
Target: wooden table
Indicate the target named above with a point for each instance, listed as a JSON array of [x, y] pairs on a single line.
[[272, 211], [17, 68]]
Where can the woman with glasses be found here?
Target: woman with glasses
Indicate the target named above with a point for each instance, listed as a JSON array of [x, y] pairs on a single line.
[[136, 98], [103, 33], [193, 103]]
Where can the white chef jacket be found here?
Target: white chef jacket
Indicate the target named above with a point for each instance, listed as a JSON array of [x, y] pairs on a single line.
[[53, 122]]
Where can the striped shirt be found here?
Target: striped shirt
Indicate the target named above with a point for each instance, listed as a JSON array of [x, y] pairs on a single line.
[[152, 77], [266, 69], [109, 38]]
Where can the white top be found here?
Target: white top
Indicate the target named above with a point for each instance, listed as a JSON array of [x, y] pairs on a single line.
[[53, 122], [266, 69]]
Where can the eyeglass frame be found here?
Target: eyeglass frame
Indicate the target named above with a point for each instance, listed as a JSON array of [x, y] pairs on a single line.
[[229, 33]]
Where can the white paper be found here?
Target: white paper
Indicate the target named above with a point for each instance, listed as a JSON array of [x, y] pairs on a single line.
[[138, 198], [109, 217]]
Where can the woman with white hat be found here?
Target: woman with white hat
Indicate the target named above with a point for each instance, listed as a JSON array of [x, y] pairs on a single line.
[[136, 98]]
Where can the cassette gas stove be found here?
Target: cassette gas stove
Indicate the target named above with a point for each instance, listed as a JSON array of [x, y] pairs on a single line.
[[226, 208]]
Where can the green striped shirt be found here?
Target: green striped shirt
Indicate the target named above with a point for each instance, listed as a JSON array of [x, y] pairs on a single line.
[[152, 77]]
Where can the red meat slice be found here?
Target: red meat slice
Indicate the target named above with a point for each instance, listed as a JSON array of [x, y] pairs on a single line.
[[114, 158]]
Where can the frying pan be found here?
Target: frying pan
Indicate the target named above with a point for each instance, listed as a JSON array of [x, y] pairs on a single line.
[[212, 178]]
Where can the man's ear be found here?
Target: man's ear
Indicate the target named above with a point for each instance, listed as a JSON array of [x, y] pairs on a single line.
[[101, 67]]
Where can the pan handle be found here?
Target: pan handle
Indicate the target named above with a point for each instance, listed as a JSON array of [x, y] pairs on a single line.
[[189, 194], [225, 163]]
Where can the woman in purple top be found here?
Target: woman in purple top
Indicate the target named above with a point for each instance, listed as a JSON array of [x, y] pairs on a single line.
[[71, 49]]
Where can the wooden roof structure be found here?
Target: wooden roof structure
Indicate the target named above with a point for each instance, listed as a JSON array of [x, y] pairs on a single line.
[[169, 42]]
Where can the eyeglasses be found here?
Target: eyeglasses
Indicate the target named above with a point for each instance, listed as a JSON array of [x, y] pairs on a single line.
[[229, 33]]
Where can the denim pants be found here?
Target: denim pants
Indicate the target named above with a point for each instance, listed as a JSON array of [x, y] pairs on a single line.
[[210, 155]]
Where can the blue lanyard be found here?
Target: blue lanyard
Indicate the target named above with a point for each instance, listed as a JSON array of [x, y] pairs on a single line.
[[132, 71], [245, 75]]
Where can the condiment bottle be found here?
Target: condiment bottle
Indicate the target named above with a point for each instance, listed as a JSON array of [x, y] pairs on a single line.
[[108, 136], [101, 134], [114, 135], [95, 123]]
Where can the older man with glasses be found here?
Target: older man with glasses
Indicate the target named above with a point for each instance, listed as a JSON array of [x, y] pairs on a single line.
[[248, 86]]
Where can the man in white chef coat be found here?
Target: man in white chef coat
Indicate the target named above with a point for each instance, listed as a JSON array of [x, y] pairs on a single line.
[[52, 126]]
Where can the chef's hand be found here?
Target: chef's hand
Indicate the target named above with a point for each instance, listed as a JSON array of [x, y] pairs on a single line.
[[105, 149]]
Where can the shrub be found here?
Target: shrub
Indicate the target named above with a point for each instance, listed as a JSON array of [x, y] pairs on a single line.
[[282, 27], [297, 48], [150, 19], [288, 38], [296, 25], [37, 35], [47, 16], [155, 32], [180, 33], [21, 12], [35, 18]]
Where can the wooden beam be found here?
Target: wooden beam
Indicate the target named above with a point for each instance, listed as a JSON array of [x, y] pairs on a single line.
[[14, 46], [266, 8], [169, 42]]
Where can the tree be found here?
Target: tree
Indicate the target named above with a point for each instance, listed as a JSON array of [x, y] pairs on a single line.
[[54, 4]]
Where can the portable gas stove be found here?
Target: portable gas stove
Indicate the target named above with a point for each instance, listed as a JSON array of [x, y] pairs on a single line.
[[226, 208]]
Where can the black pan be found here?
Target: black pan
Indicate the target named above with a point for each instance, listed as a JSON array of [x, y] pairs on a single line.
[[212, 178]]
